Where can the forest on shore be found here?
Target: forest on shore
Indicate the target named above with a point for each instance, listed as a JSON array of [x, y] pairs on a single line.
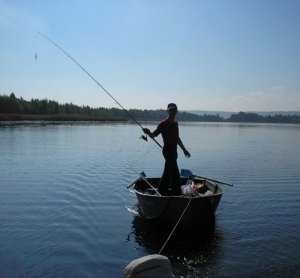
[[13, 108]]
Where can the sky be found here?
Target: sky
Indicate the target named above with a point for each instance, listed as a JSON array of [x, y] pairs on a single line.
[[203, 55]]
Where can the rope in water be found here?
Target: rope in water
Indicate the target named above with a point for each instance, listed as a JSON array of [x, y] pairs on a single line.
[[175, 226]]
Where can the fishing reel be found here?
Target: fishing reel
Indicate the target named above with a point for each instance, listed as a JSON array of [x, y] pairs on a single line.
[[144, 137]]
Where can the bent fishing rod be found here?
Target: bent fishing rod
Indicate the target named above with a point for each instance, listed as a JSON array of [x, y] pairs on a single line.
[[68, 55]]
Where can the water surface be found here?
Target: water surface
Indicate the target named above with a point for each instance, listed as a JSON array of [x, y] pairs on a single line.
[[63, 200]]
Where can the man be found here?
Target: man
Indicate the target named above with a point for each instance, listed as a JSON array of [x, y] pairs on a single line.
[[168, 128]]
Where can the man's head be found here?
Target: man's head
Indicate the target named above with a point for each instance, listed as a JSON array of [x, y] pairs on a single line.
[[172, 109]]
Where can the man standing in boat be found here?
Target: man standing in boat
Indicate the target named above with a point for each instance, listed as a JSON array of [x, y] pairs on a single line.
[[168, 128]]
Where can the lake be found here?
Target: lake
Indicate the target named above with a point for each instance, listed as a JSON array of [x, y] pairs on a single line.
[[63, 200]]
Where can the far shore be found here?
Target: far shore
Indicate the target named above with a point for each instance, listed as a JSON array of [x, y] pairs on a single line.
[[21, 119]]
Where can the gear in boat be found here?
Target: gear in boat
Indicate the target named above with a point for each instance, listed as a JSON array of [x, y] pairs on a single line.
[[152, 205], [189, 187]]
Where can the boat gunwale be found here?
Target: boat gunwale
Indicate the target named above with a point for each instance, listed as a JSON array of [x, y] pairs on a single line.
[[179, 196]]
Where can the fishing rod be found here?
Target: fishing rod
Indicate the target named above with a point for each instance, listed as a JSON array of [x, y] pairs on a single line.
[[68, 55]]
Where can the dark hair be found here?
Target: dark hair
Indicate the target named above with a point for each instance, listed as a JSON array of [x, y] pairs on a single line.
[[172, 106]]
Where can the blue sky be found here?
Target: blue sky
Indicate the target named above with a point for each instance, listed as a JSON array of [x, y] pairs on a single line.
[[206, 55]]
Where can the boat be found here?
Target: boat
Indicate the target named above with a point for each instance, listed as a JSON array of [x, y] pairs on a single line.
[[167, 210]]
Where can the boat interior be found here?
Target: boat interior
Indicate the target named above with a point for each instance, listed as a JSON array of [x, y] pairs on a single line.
[[202, 186]]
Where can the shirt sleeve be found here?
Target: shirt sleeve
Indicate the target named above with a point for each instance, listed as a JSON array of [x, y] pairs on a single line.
[[158, 130], [177, 130]]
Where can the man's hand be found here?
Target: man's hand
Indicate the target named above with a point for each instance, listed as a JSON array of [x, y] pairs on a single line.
[[147, 131], [186, 153]]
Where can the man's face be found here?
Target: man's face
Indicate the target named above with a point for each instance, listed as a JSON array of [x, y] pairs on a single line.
[[172, 112]]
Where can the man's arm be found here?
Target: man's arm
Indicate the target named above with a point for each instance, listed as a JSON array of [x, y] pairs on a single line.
[[155, 133], [185, 151]]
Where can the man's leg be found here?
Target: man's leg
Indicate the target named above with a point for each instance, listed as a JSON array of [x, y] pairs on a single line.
[[175, 178], [165, 179]]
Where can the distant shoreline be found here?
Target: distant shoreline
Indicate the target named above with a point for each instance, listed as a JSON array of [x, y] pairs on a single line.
[[19, 109], [23, 119]]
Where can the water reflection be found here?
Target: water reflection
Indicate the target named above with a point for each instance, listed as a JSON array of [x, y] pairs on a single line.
[[192, 253], [62, 208]]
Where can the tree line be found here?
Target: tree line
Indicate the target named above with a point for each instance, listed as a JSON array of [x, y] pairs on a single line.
[[10, 104], [256, 118]]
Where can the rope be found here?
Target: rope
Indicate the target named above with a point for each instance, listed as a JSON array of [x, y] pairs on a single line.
[[175, 226]]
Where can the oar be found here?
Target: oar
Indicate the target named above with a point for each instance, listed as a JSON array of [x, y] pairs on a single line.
[[188, 174], [142, 174], [146, 181], [143, 177], [220, 182], [134, 182]]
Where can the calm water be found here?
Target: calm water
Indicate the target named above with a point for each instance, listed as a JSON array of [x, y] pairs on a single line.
[[63, 200]]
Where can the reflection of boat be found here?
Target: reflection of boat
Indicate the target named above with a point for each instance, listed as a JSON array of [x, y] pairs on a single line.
[[196, 252], [151, 235], [167, 209]]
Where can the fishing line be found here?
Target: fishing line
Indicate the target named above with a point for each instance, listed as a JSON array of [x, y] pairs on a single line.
[[68, 55]]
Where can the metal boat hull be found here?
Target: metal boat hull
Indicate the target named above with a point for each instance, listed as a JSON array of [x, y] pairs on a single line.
[[167, 209]]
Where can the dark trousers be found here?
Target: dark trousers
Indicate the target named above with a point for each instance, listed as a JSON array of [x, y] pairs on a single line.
[[170, 180]]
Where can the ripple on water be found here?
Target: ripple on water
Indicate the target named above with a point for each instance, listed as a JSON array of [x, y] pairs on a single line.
[[63, 197]]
